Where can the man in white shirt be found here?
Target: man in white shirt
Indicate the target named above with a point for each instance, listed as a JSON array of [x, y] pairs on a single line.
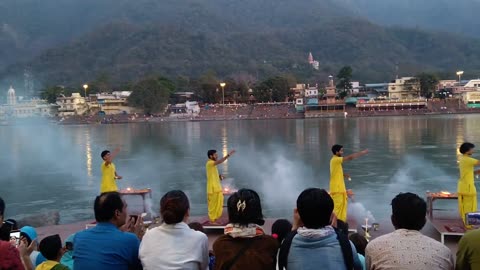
[[407, 248]]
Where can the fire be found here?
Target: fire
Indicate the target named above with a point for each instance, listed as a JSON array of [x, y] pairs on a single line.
[[445, 192]]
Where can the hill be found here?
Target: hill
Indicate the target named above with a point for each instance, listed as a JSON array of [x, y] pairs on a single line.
[[259, 37]]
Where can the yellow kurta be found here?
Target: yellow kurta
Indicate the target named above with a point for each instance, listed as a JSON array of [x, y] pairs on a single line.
[[338, 192], [108, 178], [467, 193], [214, 191]]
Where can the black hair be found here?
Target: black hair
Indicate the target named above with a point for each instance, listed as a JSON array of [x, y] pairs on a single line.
[[5, 230], [359, 241], [106, 204], [174, 206], [315, 207], [2, 207], [244, 207], [196, 226], [104, 153], [211, 153], [50, 246], [465, 147], [336, 148], [281, 227], [409, 211]]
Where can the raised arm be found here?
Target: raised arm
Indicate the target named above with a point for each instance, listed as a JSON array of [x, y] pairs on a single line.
[[220, 161], [355, 155], [115, 153]]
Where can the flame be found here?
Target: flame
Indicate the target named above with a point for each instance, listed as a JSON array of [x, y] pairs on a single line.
[[445, 192]]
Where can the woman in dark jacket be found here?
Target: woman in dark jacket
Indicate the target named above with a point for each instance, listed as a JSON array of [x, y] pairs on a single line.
[[244, 244]]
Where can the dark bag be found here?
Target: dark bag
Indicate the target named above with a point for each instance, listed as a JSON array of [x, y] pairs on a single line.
[[341, 237]]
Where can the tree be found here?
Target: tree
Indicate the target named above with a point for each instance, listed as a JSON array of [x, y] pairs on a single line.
[[207, 87], [428, 84], [272, 89], [151, 94], [344, 84], [51, 93]]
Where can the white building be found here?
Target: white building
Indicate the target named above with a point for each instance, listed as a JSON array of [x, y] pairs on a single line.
[[73, 105], [404, 88], [25, 109], [472, 85], [114, 103], [311, 92]]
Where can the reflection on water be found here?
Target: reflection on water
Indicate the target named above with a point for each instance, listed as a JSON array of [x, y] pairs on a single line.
[[278, 158], [88, 151]]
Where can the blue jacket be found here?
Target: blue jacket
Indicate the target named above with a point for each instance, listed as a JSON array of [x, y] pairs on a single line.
[[320, 253]]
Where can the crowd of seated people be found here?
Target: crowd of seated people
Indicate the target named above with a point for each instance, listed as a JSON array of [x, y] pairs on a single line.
[[312, 239]]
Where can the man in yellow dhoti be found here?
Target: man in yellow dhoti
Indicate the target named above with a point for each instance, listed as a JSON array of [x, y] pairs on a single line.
[[338, 192], [214, 187], [467, 193]]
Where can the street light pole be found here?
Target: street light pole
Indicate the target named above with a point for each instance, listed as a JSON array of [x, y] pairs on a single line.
[[85, 86], [223, 98]]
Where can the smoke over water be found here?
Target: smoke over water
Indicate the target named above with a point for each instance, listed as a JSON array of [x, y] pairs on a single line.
[[277, 176]]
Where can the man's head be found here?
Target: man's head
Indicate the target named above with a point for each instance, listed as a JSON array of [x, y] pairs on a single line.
[[244, 207], [106, 156], [174, 207], [212, 154], [315, 207], [110, 207], [337, 150], [408, 211], [51, 248], [467, 148], [2, 210]]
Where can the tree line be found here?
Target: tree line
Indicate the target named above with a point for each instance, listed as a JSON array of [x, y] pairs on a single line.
[[153, 93]]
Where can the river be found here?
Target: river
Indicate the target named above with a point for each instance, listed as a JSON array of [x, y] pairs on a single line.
[[54, 167]]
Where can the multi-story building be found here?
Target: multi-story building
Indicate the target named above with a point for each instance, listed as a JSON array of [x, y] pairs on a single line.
[[404, 88], [73, 105]]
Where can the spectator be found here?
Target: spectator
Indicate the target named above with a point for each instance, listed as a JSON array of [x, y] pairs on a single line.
[[11, 257], [105, 246], [468, 253], [196, 226], [173, 245], [316, 244], [244, 244], [5, 229], [67, 258], [30, 234], [406, 247], [360, 244], [280, 229], [51, 249]]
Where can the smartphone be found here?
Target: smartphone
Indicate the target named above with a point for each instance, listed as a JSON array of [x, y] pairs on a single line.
[[15, 238], [135, 217], [473, 218]]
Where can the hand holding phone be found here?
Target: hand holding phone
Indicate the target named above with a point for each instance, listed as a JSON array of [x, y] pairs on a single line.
[[15, 238]]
